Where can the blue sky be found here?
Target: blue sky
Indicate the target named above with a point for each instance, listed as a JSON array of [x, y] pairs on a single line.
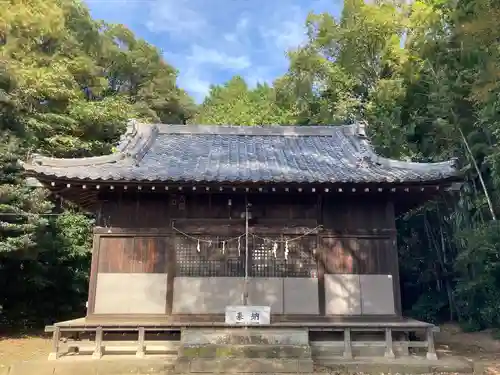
[[209, 41]]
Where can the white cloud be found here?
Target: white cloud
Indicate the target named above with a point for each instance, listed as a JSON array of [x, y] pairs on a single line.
[[195, 66], [260, 74], [287, 31], [239, 35], [194, 84], [192, 77], [242, 24], [230, 37], [202, 55], [209, 41], [176, 17]]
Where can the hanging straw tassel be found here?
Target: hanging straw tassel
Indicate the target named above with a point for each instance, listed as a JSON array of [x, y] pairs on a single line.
[[286, 250], [198, 246], [239, 246], [223, 247], [275, 249]]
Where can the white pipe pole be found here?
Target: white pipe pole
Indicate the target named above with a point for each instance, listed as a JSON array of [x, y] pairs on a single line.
[[245, 285]]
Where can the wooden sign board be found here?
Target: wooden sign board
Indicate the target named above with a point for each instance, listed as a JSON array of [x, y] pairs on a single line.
[[248, 315]]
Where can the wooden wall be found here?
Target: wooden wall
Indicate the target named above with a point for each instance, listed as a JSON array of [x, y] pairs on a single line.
[[156, 210], [358, 235], [354, 214], [133, 254], [350, 255], [362, 239]]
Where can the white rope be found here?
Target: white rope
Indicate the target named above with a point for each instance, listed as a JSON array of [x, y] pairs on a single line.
[[288, 240], [243, 235], [199, 240], [275, 242]]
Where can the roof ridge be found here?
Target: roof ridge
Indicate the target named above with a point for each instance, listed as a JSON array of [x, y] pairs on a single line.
[[139, 137], [258, 130]]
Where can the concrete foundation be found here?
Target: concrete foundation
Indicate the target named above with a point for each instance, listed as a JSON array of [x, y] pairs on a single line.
[[242, 336], [158, 365], [245, 350]]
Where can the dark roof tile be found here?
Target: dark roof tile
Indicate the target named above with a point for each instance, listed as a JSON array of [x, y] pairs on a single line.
[[314, 154]]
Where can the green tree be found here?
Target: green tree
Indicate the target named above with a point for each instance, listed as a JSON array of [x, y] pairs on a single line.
[[235, 104], [68, 85]]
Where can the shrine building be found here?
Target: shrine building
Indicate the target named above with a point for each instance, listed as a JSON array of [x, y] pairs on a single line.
[[191, 219]]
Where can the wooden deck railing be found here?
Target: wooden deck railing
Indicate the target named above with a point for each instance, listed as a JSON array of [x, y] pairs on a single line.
[[98, 331]]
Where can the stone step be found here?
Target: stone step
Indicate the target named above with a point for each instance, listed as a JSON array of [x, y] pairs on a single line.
[[246, 351], [248, 365], [241, 336]]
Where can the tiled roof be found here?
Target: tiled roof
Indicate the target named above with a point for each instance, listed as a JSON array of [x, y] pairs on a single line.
[[204, 153]]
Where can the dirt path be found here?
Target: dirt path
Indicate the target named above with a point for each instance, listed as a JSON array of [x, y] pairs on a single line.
[[23, 348], [473, 346]]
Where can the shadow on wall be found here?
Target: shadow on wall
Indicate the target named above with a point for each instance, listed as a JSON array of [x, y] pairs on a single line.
[[131, 293], [350, 288], [210, 295]]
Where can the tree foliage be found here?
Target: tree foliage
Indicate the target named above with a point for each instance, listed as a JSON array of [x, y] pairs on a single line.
[[424, 75], [235, 103], [68, 84]]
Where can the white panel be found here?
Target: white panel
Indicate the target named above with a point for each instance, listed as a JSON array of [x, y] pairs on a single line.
[[342, 294], [377, 295], [131, 293], [248, 315], [266, 291], [301, 295], [206, 295]]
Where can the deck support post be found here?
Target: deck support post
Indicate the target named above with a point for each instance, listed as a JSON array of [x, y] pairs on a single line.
[[98, 351], [56, 336], [347, 344], [405, 349], [389, 350], [141, 352], [431, 349]]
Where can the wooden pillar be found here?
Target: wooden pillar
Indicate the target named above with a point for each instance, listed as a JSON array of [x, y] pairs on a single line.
[[98, 351], [405, 350], [320, 262], [141, 348], [319, 255], [94, 269], [171, 269], [347, 344], [389, 350], [56, 336], [431, 349], [393, 253]]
